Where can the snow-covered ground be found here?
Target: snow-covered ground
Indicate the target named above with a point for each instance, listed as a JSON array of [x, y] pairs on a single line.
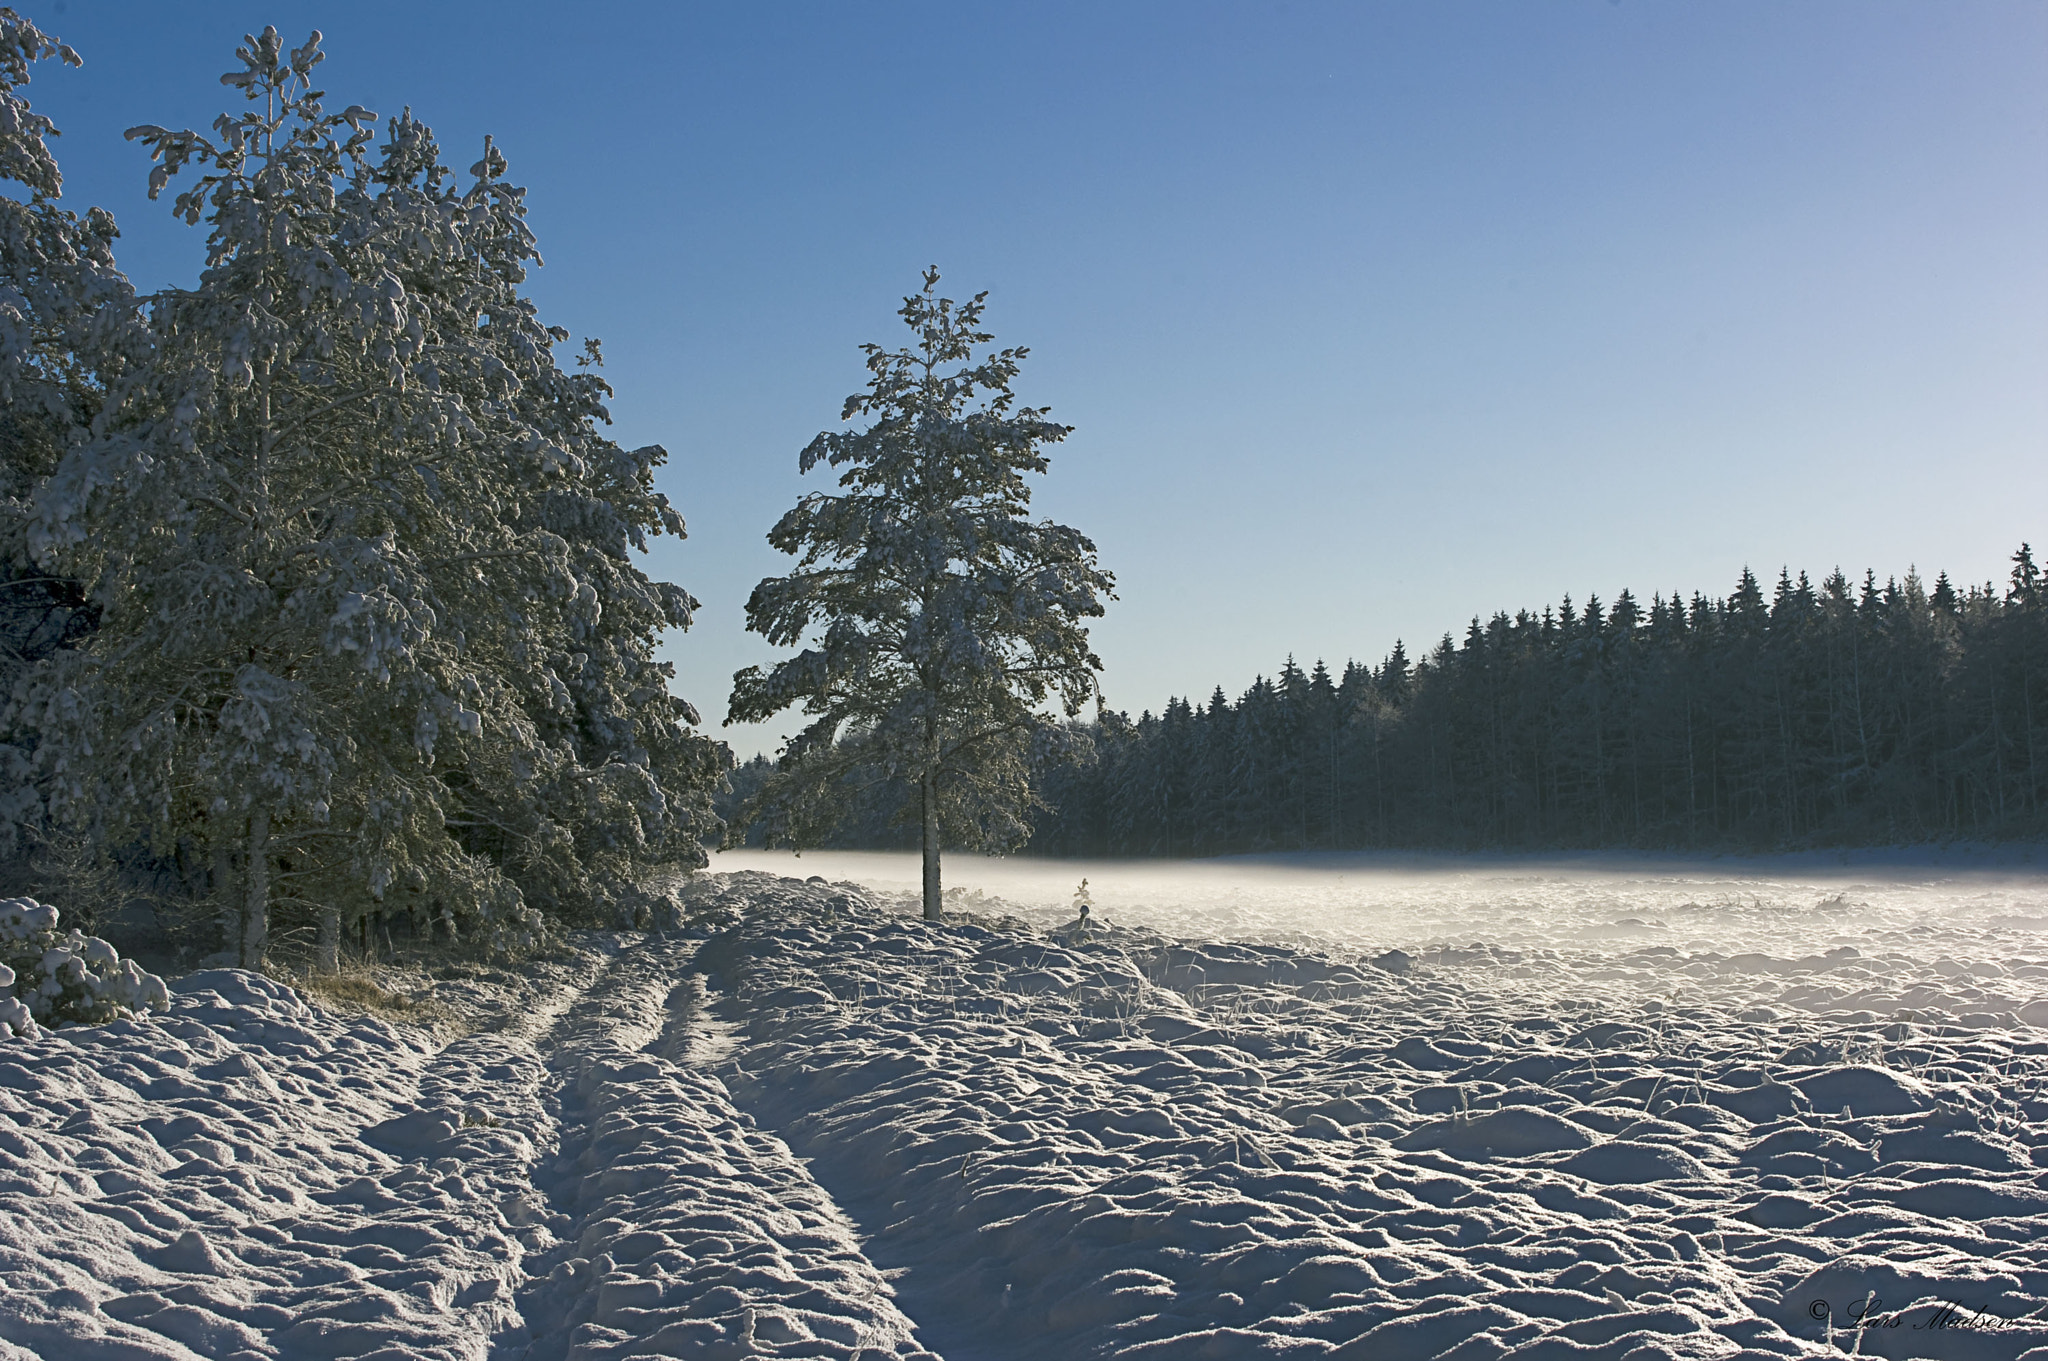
[[251, 1176], [1560, 1110]]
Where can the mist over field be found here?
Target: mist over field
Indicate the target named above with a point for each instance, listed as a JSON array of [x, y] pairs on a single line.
[[1973, 899]]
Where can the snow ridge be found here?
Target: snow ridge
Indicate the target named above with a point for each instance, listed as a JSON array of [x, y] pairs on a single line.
[[257, 1178]]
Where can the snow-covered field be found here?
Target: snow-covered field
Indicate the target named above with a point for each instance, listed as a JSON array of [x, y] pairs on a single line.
[[1972, 899], [1554, 1110]]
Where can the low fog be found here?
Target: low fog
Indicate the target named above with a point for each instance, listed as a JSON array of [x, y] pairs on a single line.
[[1927, 903]]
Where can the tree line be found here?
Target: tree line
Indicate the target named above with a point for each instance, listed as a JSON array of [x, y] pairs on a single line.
[[1848, 712]]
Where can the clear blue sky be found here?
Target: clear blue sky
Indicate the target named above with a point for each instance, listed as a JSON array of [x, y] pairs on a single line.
[[1369, 317]]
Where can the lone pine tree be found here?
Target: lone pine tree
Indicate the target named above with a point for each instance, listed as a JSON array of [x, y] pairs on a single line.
[[941, 618]]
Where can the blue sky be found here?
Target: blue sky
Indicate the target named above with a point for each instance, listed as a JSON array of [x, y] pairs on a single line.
[[1368, 317]]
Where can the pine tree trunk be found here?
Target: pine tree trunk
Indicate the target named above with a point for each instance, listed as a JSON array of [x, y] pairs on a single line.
[[330, 941], [256, 918], [224, 900], [931, 848]]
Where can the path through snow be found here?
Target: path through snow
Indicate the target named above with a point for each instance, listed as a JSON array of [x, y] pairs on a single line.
[[254, 1177], [836, 1131]]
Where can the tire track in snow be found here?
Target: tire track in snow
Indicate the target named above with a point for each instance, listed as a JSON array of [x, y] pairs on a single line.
[[691, 1232], [254, 1177]]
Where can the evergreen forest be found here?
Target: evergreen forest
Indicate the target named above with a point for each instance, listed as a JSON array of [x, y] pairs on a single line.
[[1812, 715]]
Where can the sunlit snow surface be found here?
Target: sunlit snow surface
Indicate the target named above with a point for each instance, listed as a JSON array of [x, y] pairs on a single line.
[[1324, 1107], [1600, 1108]]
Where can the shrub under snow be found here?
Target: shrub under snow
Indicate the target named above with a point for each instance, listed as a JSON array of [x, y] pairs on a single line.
[[57, 977]]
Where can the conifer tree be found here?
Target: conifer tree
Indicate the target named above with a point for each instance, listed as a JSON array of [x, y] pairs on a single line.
[[935, 617], [67, 321], [372, 634]]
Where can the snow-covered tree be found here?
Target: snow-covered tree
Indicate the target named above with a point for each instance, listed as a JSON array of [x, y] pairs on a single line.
[[372, 634], [940, 617], [67, 319]]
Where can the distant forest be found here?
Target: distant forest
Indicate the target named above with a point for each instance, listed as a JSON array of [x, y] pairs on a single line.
[[1837, 714]]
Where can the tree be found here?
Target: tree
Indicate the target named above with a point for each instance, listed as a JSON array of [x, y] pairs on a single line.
[[372, 637], [945, 617], [67, 320]]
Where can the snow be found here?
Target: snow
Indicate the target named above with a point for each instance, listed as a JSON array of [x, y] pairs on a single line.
[[808, 1125], [59, 979], [253, 1176], [695, 1230]]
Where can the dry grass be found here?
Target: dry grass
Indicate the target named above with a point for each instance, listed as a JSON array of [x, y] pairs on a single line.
[[356, 989]]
